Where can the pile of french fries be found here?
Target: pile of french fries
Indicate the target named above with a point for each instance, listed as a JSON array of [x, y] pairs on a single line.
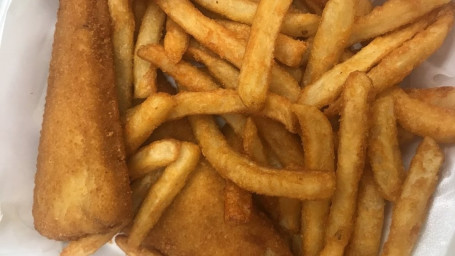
[[296, 104]]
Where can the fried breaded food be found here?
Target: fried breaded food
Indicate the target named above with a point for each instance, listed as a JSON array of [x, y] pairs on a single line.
[[194, 224], [81, 184]]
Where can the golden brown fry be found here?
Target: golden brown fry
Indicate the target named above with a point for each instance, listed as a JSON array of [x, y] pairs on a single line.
[[123, 41], [181, 71], [152, 157], [223, 101], [144, 118], [400, 62], [327, 88], [288, 50], [163, 192], [238, 202], [318, 144], [252, 143], [175, 129], [294, 24], [175, 42], [140, 188], [383, 149], [223, 42], [366, 235], [404, 137], [122, 242], [253, 85], [424, 119], [248, 175], [390, 16], [285, 145], [226, 74], [363, 7], [149, 33], [336, 22], [411, 208], [351, 158], [443, 96]]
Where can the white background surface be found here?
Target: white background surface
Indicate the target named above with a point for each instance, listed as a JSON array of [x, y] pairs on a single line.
[[25, 49]]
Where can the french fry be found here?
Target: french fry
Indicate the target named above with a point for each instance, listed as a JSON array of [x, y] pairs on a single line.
[[223, 42], [139, 7], [163, 192], [383, 149], [412, 206], [179, 129], [404, 137], [288, 51], [223, 101], [122, 39], [250, 176], [252, 143], [351, 158], [318, 144], [424, 119], [294, 24], [175, 42], [402, 60], [152, 157], [287, 148], [390, 16], [238, 203], [226, 74], [122, 242], [144, 118], [363, 7], [253, 86], [366, 235], [150, 32], [336, 22], [140, 188], [443, 96], [327, 88]]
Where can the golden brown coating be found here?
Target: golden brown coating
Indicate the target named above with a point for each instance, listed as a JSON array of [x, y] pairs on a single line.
[[194, 224], [81, 184]]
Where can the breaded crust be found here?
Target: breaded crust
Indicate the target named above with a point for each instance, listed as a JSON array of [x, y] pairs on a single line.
[[194, 224], [81, 184]]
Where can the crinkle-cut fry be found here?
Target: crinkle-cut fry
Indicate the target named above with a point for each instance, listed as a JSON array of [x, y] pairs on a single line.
[[400, 62], [304, 184], [288, 50], [443, 96], [336, 22], [259, 53], [424, 119], [383, 149], [318, 145], [150, 32], [294, 24], [223, 42], [144, 118], [226, 74], [412, 206], [123, 42], [223, 101], [122, 242], [175, 42], [390, 16], [181, 71], [363, 7], [163, 192], [238, 203], [152, 157], [351, 159], [366, 236], [290, 154], [327, 88]]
